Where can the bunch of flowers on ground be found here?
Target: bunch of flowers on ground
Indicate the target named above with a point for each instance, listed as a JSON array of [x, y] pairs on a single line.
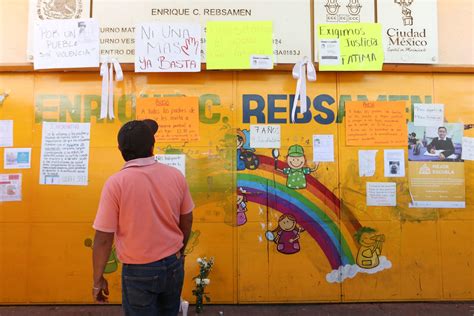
[[202, 280]]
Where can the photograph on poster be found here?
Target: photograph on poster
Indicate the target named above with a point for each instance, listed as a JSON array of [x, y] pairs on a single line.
[[394, 163], [435, 143]]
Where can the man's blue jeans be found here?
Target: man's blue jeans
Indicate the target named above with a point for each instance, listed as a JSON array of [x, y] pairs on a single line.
[[153, 288]]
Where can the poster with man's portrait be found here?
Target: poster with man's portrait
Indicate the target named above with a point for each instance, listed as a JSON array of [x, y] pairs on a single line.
[[435, 168], [435, 143]]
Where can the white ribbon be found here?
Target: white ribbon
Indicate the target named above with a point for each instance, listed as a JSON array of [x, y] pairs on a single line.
[[302, 70], [107, 74]]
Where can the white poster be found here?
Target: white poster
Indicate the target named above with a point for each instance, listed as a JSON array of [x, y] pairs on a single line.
[[344, 11], [467, 148], [167, 47], [394, 162], [49, 10], [329, 52], [176, 161], [428, 114], [410, 30], [265, 136], [17, 158], [6, 133], [381, 194], [291, 22], [10, 187], [66, 44], [323, 148], [367, 162], [65, 153]]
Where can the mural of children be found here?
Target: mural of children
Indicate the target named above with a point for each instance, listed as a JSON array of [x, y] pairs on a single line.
[[370, 247], [241, 207], [286, 235], [296, 171], [246, 159]]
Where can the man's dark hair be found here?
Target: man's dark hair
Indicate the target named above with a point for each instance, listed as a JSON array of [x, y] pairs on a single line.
[[443, 128], [136, 139]]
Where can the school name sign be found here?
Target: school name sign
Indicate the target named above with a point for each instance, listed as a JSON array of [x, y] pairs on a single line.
[[117, 30]]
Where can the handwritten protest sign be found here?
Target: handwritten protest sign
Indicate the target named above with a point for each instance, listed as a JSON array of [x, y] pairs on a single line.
[[177, 117], [265, 136], [348, 47], [381, 194], [238, 45], [172, 160], [66, 44], [468, 148], [428, 114], [167, 47], [379, 123], [65, 153]]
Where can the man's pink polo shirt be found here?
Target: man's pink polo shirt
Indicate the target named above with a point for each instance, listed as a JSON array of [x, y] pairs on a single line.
[[142, 204]]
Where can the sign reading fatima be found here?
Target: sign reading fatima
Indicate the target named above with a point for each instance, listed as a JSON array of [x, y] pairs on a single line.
[[291, 22], [410, 30], [349, 47]]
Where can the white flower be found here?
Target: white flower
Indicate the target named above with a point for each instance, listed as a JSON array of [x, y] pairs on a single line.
[[199, 260], [202, 281]]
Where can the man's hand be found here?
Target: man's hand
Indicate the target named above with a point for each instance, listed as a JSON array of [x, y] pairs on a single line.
[[100, 291], [441, 156], [432, 151]]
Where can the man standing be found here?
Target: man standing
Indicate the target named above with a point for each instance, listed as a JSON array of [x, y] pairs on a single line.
[[147, 206], [441, 143]]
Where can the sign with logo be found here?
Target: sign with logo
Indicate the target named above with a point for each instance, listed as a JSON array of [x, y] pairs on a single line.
[[436, 184], [410, 30], [291, 22], [344, 11], [51, 10]]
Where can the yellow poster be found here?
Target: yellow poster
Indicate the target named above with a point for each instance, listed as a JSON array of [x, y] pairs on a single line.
[[177, 117], [349, 47], [239, 45], [376, 123], [436, 184]]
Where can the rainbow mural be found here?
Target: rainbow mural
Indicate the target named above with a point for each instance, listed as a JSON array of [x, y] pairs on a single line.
[[316, 209]]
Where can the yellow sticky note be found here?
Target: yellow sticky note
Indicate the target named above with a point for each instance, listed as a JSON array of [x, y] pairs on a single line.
[[348, 47], [238, 45]]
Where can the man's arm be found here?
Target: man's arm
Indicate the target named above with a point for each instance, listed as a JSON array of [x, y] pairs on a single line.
[[185, 224], [432, 146], [100, 255]]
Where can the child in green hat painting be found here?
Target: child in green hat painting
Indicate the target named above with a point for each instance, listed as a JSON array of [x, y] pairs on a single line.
[[297, 171]]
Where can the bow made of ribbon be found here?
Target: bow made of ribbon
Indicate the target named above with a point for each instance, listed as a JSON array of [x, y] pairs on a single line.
[[107, 74], [302, 70]]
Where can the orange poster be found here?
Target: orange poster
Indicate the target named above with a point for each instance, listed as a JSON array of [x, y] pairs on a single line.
[[177, 117], [376, 123]]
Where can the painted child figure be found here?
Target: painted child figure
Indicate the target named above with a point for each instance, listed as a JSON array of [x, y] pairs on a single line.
[[241, 207], [287, 235], [370, 247], [241, 139], [296, 170]]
